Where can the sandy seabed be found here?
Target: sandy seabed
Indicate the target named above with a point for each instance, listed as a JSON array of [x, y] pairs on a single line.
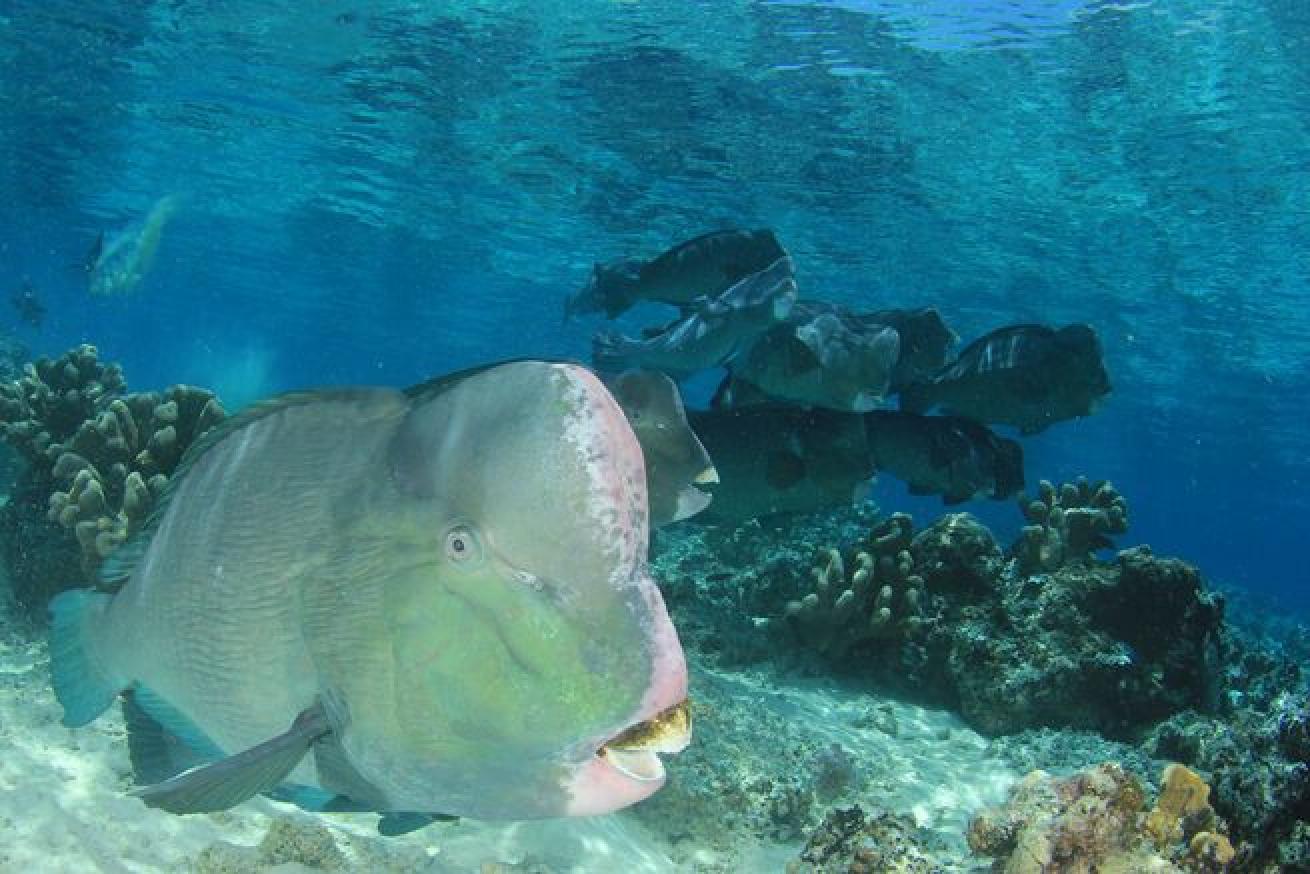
[[64, 805]]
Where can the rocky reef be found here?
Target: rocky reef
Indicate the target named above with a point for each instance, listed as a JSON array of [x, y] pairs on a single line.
[[1097, 820], [1051, 639], [96, 459]]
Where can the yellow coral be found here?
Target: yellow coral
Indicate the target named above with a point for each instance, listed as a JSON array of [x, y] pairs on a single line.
[[1183, 795], [1209, 852]]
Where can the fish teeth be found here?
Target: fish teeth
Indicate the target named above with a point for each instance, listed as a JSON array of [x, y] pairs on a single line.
[[666, 732]]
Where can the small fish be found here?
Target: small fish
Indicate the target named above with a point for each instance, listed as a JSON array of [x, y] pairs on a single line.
[[774, 458], [1027, 376], [676, 461], [816, 361], [117, 265], [711, 333], [945, 455], [703, 267], [428, 603], [27, 303]]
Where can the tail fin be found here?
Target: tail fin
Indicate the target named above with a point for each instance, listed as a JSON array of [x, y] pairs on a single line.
[[82, 684]]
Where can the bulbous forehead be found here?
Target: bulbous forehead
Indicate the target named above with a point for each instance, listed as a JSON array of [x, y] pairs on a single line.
[[541, 457]]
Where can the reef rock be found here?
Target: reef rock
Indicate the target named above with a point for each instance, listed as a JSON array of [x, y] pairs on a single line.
[[1108, 648], [848, 841], [1097, 821]]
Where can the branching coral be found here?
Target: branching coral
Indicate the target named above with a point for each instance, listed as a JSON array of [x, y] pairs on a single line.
[[1069, 524], [41, 410], [879, 597], [96, 461], [116, 464]]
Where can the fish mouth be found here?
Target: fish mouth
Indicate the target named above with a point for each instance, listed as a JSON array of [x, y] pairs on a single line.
[[635, 751]]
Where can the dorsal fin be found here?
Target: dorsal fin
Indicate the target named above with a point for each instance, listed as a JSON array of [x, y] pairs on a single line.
[[116, 570]]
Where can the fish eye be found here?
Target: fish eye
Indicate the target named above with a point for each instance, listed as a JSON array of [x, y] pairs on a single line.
[[463, 545]]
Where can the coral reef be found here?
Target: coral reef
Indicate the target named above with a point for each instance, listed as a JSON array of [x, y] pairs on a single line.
[[881, 595], [299, 843], [958, 558], [1261, 776], [42, 410], [1110, 648], [117, 463], [1067, 525], [849, 841], [1096, 820], [96, 460]]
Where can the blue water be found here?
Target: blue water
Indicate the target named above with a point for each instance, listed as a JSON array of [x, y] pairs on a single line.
[[379, 192]]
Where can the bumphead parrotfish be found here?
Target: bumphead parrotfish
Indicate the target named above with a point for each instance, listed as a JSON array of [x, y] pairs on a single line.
[[945, 455], [703, 266], [775, 458], [434, 601], [817, 361], [711, 333], [1028, 376], [676, 460]]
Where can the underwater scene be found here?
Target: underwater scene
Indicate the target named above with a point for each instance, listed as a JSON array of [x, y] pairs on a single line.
[[713, 436]]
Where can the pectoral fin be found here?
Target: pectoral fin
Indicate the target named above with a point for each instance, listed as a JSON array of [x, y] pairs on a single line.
[[395, 824], [230, 781]]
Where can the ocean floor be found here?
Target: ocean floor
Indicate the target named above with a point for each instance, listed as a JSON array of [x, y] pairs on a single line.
[[768, 758]]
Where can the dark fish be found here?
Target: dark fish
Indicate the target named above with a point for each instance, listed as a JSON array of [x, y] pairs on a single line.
[[818, 362], [28, 304], [925, 337], [1028, 376], [783, 459], [676, 461], [705, 266], [945, 455], [713, 332]]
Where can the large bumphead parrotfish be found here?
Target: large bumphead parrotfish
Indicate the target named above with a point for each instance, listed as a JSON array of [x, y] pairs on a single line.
[[817, 361], [1028, 376], [703, 266], [428, 602], [945, 455], [777, 458]]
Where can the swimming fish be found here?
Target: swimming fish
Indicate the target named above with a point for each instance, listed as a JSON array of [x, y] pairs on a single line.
[[945, 455], [925, 342], [817, 361], [1027, 376], [704, 266], [775, 458], [27, 303], [116, 265], [430, 602], [785, 364], [711, 333], [676, 460]]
